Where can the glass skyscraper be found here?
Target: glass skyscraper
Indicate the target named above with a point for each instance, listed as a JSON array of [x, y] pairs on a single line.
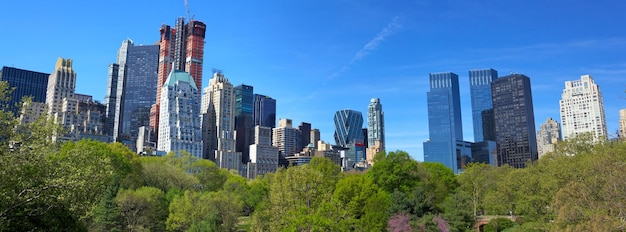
[[375, 123], [244, 105], [348, 127], [26, 83], [264, 111], [444, 120], [480, 92], [514, 121]]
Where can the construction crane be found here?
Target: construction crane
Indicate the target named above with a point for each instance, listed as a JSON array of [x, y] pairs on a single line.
[[187, 9]]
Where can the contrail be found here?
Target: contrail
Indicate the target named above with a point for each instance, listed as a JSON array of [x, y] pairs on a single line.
[[391, 28]]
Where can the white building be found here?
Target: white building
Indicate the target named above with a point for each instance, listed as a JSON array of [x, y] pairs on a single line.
[[622, 124], [375, 129], [263, 156], [548, 135], [285, 138], [179, 122], [582, 109], [61, 85], [218, 123]]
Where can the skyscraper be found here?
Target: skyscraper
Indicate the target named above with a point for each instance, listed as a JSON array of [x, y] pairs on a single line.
[[304, 135], [61, 85], [582, 108], [514, 120], [25, 84], [244, 127], [284, 137], [263, 156], [218, 124], [548, 135], [375, 126], [264, 111], [480, 92], [348, 127], [179, 126], [180, 48], [129, 100], [444, 120]]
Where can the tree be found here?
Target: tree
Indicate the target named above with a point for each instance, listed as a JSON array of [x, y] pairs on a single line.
[[165, 176], [397, 171], [498, 225], [144, 209], [365, 204]]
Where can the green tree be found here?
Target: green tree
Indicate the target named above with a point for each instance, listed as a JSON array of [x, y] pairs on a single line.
[[144, 209], [498, 225], [157, 173], [397, 170], [364, 203]]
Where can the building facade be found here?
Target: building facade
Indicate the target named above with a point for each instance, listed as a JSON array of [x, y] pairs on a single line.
[[25, 83], [285, 138], [264, 111], [444, 120], [514, 121], [61, 85], [244, 127], [582, 109], [348, 127], [482, 105], [375, 129], [622, 124], [548, 135], [263, 155], [218, 123], [179, 125], [180, 48]]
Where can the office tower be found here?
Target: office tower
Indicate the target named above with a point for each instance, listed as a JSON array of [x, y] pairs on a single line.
[[548, 135], [285, 138], [264, 111], [180, 48], [145, 141], [263, 156], [315, 136], [375, 128], [244, 104], [622, 124], [444, 120], [304, 135], [179, 125], [24, 83], [582, 109], [514, 120], [348, 127], [131, 90], [218, 123], [110, 98], [482, 105], [61, 85]]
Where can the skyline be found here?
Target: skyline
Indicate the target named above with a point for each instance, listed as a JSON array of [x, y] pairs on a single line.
[[316, 58]]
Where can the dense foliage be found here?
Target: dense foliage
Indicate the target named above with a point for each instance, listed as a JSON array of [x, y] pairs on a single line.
[[48, 185]]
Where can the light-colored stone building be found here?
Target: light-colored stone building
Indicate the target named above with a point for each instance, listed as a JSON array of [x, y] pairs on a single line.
[[548, 135], [582, 109]]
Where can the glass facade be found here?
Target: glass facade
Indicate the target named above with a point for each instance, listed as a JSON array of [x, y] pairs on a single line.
[[26, 83], [244, 104], [348, 127], [140, 84], [264, 111], [375, 123], [514, 121], [480, 92], [444, 120]]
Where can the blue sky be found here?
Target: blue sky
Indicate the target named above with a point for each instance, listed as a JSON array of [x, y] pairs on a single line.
[[317, 57]]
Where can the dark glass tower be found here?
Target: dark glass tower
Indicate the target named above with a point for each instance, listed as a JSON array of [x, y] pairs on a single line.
[[139, 90], [348, 127], [26, 83], [244, 107], [480, 92], [444, 120], [514, 121], [264, 111]]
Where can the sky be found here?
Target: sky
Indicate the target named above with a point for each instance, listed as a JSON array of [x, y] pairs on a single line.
[[318, 57]]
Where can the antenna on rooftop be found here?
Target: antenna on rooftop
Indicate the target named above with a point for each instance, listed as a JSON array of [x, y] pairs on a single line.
[[187, 9]]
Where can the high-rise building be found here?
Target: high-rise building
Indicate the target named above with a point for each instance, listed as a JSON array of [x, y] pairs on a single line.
[[482, 114], [84, 118], [218, 123], [315, 136], [622, 124], [131, 90], [61, 85], [514, 120], [375, 128], [304, 135], [180, 48], [548, 135], [244, 127], [24, 83], [264, 111], [582, 109], [444, 120], [263, 156], [179, 125], [348, 127], [285, 138]]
